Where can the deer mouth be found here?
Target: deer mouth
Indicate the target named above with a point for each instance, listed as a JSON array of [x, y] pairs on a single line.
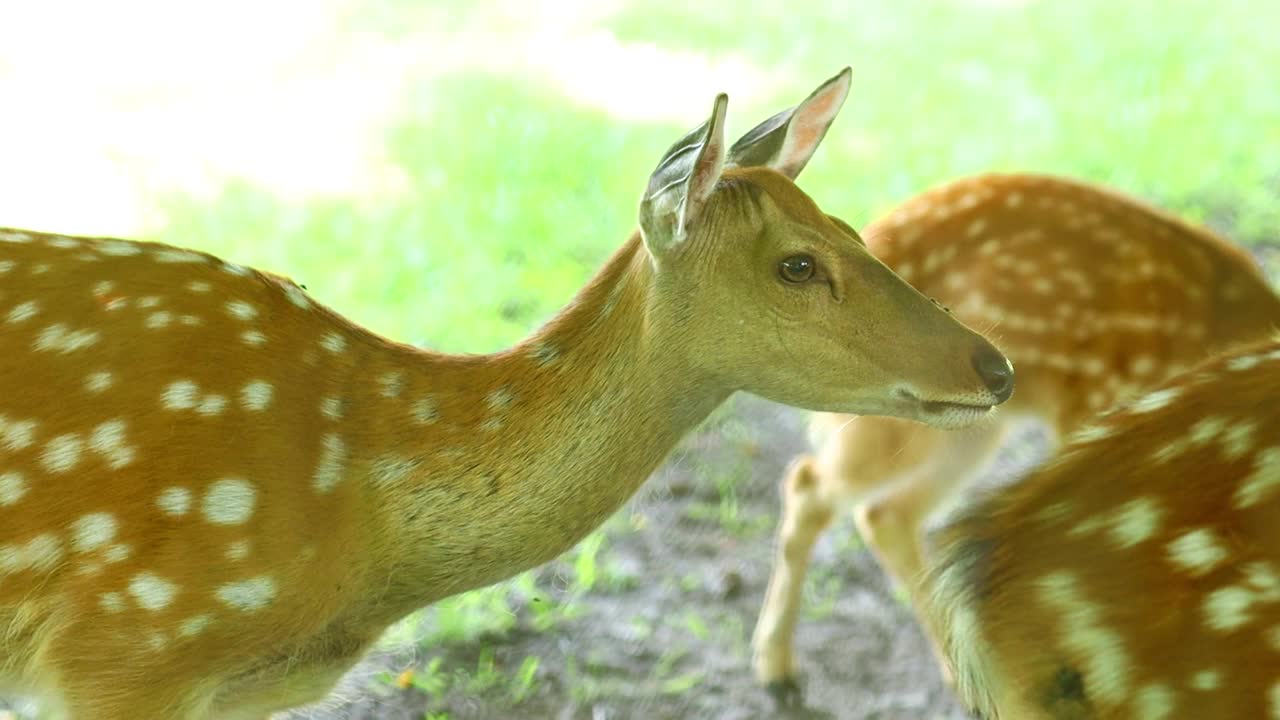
[[945, 414], [952, 415]]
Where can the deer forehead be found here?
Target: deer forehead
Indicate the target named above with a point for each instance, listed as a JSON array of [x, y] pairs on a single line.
[[778, 197]]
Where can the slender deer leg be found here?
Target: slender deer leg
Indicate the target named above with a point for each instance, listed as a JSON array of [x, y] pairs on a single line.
[[806, 513]]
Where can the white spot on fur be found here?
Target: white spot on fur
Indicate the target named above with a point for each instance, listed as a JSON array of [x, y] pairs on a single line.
[[151, 591], [1198, 551], [117, 553], [248, 595], [180, 395], [392, 384], [118, 248], [545, 353], [252, 337], [1262, 482], [193, 626], [1227, 608], [425, 411], [59, 338], [331, 407], [242, 310], [97, 382], [212, 405], [159, 320], [334, 343], [108, 441], [1154, 702], [1244, 362], [149, 301], [1155, 400], [40, 553], [256, 396], [236, 269], [229, 502], [177, 255], [175, 501], [17, 434], [499, 399], [332, 464], [297, 296], [13, 486], [62, 453], [1142, 365], [92, 531], [199, 286], [22, 312], [1238, 440], [1206, 429], [112, 602], [191, 320], [1091, 433], [1206, 680], [238, 550], [1135, 522]]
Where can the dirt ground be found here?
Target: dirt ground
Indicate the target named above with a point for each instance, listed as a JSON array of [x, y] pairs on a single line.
[[636, 652]]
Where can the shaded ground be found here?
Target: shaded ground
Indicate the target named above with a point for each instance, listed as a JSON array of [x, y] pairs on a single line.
[[665, 630]]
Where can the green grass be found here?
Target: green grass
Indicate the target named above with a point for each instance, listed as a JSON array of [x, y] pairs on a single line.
[[515, 194]]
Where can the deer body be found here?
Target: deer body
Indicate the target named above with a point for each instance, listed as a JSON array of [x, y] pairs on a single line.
[[215, 493], [1093, 295], [1138, 574], [350, 443]]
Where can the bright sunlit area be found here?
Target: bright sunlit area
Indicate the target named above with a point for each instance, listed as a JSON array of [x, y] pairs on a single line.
[[450, 175]]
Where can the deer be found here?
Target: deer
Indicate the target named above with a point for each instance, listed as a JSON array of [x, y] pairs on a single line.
[[1094, 295], [216, 492], [1136, 574]]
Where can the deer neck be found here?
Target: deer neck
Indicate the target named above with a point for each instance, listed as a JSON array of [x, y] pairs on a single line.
[[512, 458]]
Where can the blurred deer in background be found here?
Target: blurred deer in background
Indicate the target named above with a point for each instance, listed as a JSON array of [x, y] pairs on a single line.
[[1093, 295], [1138, 574], [215, 493]]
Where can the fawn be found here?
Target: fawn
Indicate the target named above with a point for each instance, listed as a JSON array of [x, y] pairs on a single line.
[[1137, 575], [215, 494], [1093, 295]]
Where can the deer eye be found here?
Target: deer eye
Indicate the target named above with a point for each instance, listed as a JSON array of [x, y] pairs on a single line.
[[796, 269]]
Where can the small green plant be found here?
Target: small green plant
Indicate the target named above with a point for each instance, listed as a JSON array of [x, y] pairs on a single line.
[[525, 680]]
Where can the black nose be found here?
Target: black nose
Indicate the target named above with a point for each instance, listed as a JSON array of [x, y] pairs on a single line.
[[995, 371]]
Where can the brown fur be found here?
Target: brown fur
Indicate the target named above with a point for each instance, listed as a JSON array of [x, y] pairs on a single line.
[[1055, 598]]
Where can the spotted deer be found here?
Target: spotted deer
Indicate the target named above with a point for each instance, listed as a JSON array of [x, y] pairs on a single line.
[[1137, 575], [216, 493], [1094, 296]]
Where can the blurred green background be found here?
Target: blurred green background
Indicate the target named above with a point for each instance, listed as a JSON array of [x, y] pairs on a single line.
[[450, 173]]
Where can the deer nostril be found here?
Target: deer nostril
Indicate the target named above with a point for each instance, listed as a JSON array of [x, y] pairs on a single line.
[[995, 370]]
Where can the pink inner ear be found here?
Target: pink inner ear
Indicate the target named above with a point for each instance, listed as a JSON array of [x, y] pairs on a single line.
[[807, 127]]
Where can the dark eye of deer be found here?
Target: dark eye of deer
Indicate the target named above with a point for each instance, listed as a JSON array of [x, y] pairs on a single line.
[[796, 269]]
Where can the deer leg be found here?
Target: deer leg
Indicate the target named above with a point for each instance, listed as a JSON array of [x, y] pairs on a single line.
[[805, 514]]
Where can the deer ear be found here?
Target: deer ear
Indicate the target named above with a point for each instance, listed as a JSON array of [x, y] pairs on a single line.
[[680, 185], [786, 141]]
